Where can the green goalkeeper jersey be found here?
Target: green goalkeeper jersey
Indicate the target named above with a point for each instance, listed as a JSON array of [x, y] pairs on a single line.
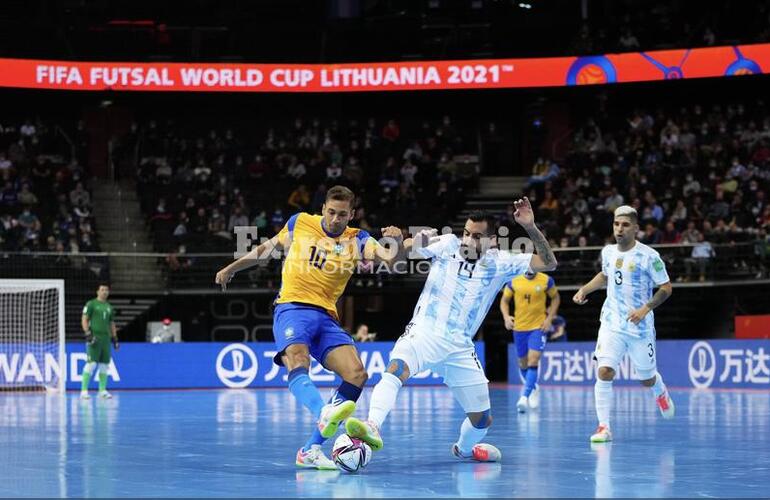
[[100, 315]]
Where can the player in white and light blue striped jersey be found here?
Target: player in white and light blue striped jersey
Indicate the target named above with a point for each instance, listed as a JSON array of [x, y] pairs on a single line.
[[630, 270], [466, 276]]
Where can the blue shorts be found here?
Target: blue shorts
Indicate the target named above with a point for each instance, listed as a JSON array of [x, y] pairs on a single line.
[[309, 325], [530, 340]]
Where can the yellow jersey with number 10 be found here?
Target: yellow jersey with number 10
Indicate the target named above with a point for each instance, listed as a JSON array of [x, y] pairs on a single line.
[[319, 264], [530, 300]]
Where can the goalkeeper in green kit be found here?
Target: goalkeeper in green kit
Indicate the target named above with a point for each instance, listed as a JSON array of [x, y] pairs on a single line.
[[99, 326]]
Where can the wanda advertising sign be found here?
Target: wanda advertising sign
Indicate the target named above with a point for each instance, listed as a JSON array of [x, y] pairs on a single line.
[[423, 75]]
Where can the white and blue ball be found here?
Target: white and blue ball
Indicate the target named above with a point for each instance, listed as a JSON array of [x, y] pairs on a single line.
[[350, 454]]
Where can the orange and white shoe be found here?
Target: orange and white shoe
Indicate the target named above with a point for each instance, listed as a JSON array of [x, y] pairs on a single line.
[[665, 404], [481, 452], [314, 458], [602, 434], [332, 416]]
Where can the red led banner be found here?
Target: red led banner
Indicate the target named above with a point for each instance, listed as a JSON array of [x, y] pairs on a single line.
[[424, 75]]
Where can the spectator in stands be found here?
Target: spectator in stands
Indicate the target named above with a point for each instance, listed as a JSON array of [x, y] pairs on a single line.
[[79, 195], [391, 131], [6, 165], [719, 209], [652, 236], [333, 173], [9, 197], [670, 234], [363, 335], [27, 197], [237, 218], [702, 253], [299, 199]]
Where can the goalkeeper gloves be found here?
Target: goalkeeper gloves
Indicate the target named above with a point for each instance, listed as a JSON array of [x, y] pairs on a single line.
[[115, 343], [89, 337]]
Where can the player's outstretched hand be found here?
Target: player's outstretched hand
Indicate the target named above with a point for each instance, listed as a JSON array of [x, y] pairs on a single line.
[[392, 232], [523, 215], [580, 298], [223, 277]]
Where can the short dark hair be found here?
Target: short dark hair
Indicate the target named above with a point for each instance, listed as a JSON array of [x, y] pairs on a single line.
[[341, 193], [482, 216], [101, 284]]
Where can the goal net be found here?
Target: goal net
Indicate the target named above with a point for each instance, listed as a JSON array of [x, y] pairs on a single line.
[[32, 352]]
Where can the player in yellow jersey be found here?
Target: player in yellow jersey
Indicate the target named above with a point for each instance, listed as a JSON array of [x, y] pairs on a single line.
[[530, 326], [321, 256]]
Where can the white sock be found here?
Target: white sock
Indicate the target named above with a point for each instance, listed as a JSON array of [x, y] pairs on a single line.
[[659, 387], [603, 400], [383, 398], [469, 436]]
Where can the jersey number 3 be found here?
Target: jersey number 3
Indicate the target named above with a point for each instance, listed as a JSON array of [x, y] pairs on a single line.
[[618, 278]]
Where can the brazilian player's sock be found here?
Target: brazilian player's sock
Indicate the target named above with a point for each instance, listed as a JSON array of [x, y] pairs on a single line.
[[469, 436], [531, 380], [603, 400], [659, 387], [305, 391], [346, 392], [384, 398]]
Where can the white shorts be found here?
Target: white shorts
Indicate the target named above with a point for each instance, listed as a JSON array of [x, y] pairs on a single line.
[[611, 346], [422, 351]]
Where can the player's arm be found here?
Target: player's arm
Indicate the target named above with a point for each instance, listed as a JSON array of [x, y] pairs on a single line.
[[276, 243], [553, 308], [544, 259], [656, 270], [378, 253], [84, 324], [597, 283], [664, 292], [505, 308]]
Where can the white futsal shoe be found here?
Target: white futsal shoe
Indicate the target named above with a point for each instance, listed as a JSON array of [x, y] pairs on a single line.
[[481, 452], [314, 458], [523, 404]]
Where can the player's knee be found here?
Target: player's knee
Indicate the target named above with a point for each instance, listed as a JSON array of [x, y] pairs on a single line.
[[357, 375], [89, 369], [399, 368], [481, 419], [294, 360], [606, 373]]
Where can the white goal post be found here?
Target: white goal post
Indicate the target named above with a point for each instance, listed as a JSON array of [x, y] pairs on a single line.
[[32, 335]]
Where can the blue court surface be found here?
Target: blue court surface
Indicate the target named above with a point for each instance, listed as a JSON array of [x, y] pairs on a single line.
[[241, 443]]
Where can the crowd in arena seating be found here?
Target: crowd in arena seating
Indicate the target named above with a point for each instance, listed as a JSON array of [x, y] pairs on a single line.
[[45, 204], [196, 186], [697, 175], [671, 24]]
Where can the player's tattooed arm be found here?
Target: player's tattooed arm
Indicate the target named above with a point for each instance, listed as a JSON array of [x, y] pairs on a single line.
[[544, 260], [547, 259], [662, 295]]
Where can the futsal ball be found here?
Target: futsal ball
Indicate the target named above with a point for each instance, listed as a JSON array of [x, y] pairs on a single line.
[[350, 454]]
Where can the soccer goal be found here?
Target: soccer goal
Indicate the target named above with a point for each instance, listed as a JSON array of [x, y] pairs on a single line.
[[32, 355]]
